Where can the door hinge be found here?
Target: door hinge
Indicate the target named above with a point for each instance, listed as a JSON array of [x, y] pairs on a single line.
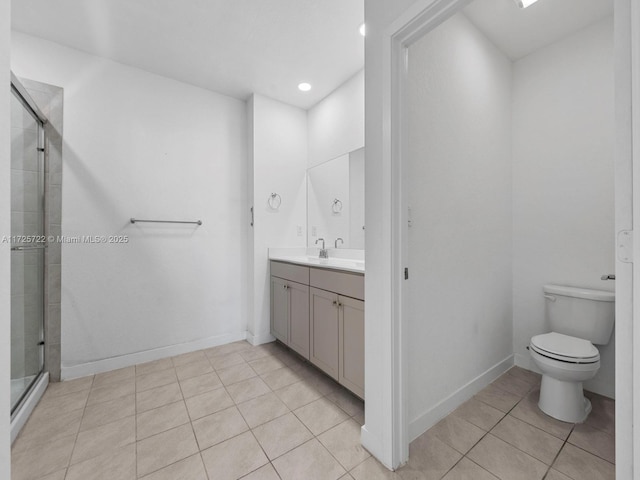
[[406, 273], [625, 246]]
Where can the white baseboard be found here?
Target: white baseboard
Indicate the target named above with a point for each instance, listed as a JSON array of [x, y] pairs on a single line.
[[25, 410], [432, 416], [260, 339], [113, 363], [372, 445]]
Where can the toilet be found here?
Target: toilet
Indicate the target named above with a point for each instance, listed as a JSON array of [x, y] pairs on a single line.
[[579, 318]]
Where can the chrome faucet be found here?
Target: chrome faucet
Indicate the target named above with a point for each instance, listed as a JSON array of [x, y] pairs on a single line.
[[323, 251], [341, 242]]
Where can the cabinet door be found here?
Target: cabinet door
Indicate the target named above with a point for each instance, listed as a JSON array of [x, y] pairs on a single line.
[[280, 309], [352, 344], [299, 318], [323, 310]]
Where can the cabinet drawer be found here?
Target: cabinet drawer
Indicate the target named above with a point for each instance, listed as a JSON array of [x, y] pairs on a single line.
[[343, 283], [288, 271]]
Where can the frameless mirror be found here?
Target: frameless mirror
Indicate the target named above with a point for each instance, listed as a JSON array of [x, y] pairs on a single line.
[[335, 201]]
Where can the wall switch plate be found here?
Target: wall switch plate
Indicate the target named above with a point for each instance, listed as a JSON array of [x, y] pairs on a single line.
[[314, 231], [299, 230]]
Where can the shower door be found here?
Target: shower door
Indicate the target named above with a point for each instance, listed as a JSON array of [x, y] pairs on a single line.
[[27, 248]]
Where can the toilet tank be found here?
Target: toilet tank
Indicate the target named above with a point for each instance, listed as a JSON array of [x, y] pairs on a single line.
[[581, 312]]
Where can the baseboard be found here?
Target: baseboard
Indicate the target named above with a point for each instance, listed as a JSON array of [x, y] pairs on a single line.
[[25, 410], [372, 445], [432, 416], [260, 339], [113, 363]]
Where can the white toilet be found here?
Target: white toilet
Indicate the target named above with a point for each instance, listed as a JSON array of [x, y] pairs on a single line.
[[579, 318]]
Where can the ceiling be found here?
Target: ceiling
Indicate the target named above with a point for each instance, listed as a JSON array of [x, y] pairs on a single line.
[[519, 32], [235, 47]]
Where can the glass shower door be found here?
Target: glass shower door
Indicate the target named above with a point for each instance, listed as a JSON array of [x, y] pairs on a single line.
[[27, 249]]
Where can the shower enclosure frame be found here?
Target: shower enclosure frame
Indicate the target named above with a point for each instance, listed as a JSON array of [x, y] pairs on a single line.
[[29, 398]]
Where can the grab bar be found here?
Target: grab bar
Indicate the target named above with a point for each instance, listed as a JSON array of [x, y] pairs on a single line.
[[138, 220], [550, 297]]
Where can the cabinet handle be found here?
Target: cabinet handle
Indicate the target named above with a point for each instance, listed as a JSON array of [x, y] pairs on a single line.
[[286, 287], [335, 304]]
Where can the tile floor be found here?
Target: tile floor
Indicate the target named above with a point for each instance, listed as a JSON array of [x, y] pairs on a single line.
[[238, 411]]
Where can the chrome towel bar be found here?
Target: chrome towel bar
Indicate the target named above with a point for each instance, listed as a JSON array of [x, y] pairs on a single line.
[[138, 220]]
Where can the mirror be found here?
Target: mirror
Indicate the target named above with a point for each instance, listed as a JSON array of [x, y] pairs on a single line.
[[335, 201]]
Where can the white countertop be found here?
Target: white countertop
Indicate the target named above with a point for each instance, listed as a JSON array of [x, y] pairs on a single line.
[[310, 258]]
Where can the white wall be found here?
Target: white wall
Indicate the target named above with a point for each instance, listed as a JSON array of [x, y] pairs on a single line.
[[278, 164], [5, 229], [459, 182], [356, 199], [141, 145], [563, 180], [336, 124]]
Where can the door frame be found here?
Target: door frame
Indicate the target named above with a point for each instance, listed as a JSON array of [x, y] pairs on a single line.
[[422, 17]]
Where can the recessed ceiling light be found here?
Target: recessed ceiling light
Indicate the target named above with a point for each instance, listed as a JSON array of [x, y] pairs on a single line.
[[304, 87], [363, 30], [525, 3]]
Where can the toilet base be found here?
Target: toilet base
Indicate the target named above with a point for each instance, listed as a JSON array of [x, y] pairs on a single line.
[[564, 401]]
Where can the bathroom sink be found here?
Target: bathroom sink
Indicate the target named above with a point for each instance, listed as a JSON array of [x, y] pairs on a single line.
[[337, 263]]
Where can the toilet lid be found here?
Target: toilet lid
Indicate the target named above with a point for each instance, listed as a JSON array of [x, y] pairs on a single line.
[[565, 346]]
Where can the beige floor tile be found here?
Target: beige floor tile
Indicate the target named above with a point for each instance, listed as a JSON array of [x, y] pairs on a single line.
[[532, 378], [191, 468], [320, 415], [266, 364], [112, 391], [200, 384], [234, 458], [165, 449], [556, 475], [107, 412], [359, 417], [153, 367], [161, 419], [479, 413], [114, 376], [429, 459], [371, 469], [580, 465], [59, 475], [103, 439], [57, 405], [218, 427], [528, 411], [248, 389], [465, 469], [193, 369], [603, 413], [120, 464], [326, 385], [594, 441], [190, 357], [512, 384], [288, 357], [497, 398], [506, 461], [297, 395], [310, 461], [346, 477], [262, 409], [156, 379], [537, 443], [69, 386], [158, 397], [49, 429], [347, 401], [266, 472], [457, 433], [281, 435], [343, 442], [254, 353], [280, 378], [27, 464], [208, 403], [227, 349], [226, 361], [235, 374]]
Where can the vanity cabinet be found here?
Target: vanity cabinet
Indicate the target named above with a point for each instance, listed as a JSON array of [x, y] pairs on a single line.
[[319, 313]]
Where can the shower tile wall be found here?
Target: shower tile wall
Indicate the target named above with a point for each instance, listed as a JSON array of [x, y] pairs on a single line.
[[50, 100]]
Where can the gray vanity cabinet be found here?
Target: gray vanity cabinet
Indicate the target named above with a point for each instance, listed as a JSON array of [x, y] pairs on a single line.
[[324, 314], [351, 335], [280, 309]]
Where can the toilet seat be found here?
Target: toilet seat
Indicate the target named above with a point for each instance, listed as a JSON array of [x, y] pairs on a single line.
[[565, 348]]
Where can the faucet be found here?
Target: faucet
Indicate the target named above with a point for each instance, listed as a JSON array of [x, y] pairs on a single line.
[[341, 242], [323, 251]]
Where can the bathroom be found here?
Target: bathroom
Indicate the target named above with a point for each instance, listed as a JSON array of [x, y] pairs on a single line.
[[126, 304]]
